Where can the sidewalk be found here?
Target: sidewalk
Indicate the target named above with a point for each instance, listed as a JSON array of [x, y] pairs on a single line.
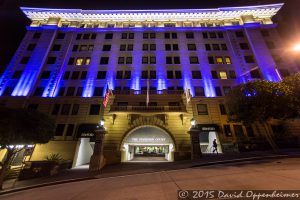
[[122, 169]]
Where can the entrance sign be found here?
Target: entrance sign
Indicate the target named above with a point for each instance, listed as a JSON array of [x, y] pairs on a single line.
[[86, 130], [207, 127], [148, 135]]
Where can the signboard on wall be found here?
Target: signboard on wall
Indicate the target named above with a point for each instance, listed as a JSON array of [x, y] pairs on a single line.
[[86, 130], [207, 127]]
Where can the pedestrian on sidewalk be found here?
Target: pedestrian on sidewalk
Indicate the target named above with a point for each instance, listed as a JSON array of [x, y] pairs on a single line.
[[215, 146]]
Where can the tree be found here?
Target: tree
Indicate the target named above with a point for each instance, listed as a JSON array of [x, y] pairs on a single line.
[[293, 83], [260, 101], [19, 127]]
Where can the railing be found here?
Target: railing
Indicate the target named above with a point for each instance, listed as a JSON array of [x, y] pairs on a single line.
[[148, 108], [143, 92]]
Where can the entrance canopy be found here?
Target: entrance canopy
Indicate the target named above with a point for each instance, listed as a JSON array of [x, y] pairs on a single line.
[[148, 135]]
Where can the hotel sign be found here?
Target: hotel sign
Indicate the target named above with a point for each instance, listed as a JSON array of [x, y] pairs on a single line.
[[86, 130], [207, 127]]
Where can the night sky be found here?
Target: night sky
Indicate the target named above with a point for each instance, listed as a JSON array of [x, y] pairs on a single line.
[[13, 22]]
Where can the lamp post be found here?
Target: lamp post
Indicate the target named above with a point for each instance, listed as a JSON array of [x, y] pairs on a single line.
[[97, 159], [195, 140]]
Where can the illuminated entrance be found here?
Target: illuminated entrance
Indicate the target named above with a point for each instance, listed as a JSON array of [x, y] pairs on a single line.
[[147, 144]]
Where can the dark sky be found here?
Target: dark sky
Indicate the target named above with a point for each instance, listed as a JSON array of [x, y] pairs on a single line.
[[13, 22]]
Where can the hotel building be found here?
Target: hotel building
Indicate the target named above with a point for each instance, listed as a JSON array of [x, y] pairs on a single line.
[[164, 67]]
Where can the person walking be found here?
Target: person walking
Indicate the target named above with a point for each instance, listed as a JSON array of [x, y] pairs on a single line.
[[215, 146]]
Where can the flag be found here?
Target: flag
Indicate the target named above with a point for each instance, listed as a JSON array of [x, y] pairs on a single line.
[[106, 97], [148, 88]]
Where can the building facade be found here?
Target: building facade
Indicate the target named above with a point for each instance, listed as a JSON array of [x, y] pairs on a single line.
[[164, 68]]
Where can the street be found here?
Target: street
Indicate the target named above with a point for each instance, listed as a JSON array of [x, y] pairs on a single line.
[[274, 174]]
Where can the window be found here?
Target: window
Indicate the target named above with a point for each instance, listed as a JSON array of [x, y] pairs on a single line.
[[17, 74], [178, 75], [223, 75], [194, 60], [56, 47], [65, 109], [75, 75], [127, 36], [239, 34], [189, 35], [226, 90], [101, 75], [70, 91], [249, 59], [255, 74], [152, 47], [220, 34], [207, 47], [199, 91], [265, 33], [170, 47], [222, 109], [119, 75], [211, 60], [144, 74], [87, 61], [70, 130], [232, 74], [104, 60], [45, 74], [144, 60], [71, 61], [79, 61], [75, 109], [169, 60], [31, 47], [238, 130], [86, 36], [196, 75], [127, 75], [249, 130], [202, 109], [55, 109], [75, 48], [219, 60], [192, 47], [106, 47], [83, 75], [32, 107], [37, 35], [216, 47], [24, 60], [204, 35], [177, 60], [61, 91], [244, 46], [152, 74], [93, 36], [38, 91], [149, 35], [78, 36], [227, 60], [170, 35], [218, 91], [170, 75], [51, 60], [121, 60], [59, 131], [60, 36], [108, 36], [79, 91], [98, 91], [224, 47], [145, 47], [94, 109], [128, 60], [212, 35], [66, 75], [214, 74], [227, 130]]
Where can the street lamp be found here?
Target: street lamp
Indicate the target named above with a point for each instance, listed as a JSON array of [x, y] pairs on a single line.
[[193, 122], [102, 122]]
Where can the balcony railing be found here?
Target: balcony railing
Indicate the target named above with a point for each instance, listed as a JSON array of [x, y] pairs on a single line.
[[147, 108]]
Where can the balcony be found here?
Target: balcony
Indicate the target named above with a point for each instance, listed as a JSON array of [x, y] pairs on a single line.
[[147, 109]]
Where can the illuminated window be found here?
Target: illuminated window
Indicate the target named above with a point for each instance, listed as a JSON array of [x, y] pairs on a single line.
[[83, 48], [223, 75], [79, 61], [219, 60], [228, 60], [87, 61]]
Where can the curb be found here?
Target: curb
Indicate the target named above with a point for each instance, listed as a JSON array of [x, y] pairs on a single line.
[[193, 166]]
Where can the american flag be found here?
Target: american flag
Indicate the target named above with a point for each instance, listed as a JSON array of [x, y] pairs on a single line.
[[106, 97]]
